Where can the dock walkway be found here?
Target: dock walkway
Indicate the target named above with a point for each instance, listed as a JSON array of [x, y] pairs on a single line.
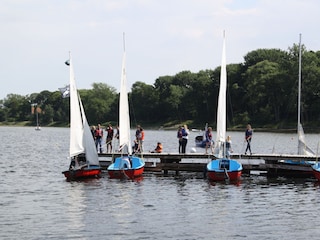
[[271, 164]]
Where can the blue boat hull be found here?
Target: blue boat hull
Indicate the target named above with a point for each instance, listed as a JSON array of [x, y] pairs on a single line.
[[224, 169], [126, 167]]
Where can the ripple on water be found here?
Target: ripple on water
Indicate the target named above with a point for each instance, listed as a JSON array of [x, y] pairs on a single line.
[[38, 203]]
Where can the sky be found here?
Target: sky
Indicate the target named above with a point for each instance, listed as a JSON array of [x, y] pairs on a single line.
[[162, 37]]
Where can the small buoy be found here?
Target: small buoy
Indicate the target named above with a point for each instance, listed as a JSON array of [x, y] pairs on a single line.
[[193, 150]]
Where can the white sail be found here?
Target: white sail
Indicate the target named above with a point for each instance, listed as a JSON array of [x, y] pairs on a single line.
[[81, 140], [303, 149], [124, 118], [221, 112], [88, 142], [76, 125]]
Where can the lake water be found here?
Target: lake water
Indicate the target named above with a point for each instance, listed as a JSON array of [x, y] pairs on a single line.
[[37, 203]]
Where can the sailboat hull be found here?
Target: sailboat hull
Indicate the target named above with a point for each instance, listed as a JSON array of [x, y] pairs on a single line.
[[92, 172], [316, 171], [224, 169], [126, 167]]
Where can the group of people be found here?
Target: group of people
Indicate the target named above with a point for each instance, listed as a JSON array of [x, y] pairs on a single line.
[[138, 141], [97, 133], [183, 133]]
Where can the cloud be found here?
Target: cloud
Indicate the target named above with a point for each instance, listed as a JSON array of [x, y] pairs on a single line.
[[162, 37]]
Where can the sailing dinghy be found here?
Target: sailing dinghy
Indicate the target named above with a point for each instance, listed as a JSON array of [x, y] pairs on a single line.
[[38, 127], [125, 166], [303, 148], [222, 168], [84, 162]]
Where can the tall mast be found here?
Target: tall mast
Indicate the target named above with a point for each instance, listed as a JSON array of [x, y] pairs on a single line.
[[299, 84]]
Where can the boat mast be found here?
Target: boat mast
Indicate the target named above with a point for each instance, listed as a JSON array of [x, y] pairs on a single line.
[[299, 84]]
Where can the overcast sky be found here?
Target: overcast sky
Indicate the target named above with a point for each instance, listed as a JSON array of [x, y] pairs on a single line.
[[163, 37]]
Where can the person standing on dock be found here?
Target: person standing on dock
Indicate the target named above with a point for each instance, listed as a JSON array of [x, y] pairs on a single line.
[[98, 137], [248, 137], [116, 136], [185, 133], [179, 136], [109, 138], [228, 146], [209, 140], [140, 138]]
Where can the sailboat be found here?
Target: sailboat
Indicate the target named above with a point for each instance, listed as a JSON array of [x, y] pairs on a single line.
[[222, 168], [125, 166], [35, 109], [303, 148], [84, 162], [37, 116]]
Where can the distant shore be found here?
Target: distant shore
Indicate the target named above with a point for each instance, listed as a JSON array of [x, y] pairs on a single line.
[[173, 127]]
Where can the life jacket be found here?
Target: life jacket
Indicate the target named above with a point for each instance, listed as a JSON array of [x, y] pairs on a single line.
[[184, 132], [110, 132], [208, 136], [159, 148], [98, 133], [141, 136], [248, 134]]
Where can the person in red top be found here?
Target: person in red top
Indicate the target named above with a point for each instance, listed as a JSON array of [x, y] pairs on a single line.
[[98, 137], [158, 148]]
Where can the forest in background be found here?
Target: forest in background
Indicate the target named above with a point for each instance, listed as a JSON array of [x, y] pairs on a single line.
[[263, 91]]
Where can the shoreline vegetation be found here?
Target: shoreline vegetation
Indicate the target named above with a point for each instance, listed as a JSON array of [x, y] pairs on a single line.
[[172, 126], [262, 91]]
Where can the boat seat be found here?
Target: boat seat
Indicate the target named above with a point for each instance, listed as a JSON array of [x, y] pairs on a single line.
[[125, 164], [224, 164]]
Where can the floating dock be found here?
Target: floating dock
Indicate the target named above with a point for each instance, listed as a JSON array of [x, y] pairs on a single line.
[[268, 164]]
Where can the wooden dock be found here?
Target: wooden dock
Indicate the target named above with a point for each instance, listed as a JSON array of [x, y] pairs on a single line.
[[269, 164]]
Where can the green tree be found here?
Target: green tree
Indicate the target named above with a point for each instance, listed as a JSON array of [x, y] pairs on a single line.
[[97, 103], [144, 102], [15, 107]]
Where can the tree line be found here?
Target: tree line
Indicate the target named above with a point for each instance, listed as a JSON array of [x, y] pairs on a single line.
[[262, 91]]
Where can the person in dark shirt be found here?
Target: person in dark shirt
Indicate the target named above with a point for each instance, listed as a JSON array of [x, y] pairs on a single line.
[[109, 138], [248, 137]]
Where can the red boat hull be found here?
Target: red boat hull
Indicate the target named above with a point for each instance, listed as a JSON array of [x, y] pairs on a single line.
[[222, 176], [82, 173], [126, 173], [316, 174]]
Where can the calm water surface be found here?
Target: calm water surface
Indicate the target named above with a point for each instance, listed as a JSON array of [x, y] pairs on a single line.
[[37, 203]]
